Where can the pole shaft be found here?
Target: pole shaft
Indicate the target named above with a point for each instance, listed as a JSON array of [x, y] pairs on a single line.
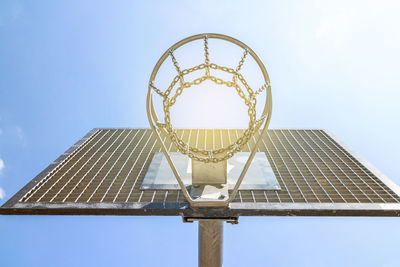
[[210, 243]]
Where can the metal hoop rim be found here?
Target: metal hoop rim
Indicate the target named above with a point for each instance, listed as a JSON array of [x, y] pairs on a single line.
[[154, 119]]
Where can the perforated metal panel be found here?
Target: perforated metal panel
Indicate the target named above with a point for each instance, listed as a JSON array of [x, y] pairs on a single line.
[[103, 172]]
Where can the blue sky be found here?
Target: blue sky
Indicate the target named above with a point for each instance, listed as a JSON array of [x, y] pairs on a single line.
[[69, 66]]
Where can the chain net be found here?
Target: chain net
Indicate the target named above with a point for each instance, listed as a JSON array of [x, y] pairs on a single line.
[[223, 153]]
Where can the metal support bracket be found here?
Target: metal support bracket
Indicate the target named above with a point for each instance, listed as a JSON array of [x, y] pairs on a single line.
[[231, 220]]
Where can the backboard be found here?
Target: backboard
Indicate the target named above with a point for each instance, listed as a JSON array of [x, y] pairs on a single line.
[[102, 174]]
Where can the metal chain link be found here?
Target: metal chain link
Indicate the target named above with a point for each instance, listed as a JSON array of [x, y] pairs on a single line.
[[206, 55], [158, 91], [262, 88], [241, 62], [235, 74], [213, 155], [204, 154], [171, 53], [175, 80]]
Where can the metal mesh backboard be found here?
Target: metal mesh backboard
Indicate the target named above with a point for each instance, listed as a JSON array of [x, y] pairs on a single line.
[[103, 173]]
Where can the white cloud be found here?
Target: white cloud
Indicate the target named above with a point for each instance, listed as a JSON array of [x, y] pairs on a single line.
[[1, 165], [2, 193]]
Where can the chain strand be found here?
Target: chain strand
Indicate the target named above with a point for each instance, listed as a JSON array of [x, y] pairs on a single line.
[[206, 55], [158, 91], [175, 62], [241, 62]]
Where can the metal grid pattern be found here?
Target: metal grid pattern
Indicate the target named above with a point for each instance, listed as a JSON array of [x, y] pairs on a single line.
[[310, 166]]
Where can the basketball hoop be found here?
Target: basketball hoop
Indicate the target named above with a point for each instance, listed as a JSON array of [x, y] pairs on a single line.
[[209, 163]]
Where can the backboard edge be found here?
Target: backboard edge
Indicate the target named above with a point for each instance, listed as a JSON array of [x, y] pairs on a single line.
[[184, 209], [389, 183], [17, 196]]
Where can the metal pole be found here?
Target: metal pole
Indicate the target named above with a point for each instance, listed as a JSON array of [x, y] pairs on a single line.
[[210, 243]]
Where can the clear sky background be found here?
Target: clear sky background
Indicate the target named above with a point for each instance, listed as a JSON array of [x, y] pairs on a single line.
[[69, 66]]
